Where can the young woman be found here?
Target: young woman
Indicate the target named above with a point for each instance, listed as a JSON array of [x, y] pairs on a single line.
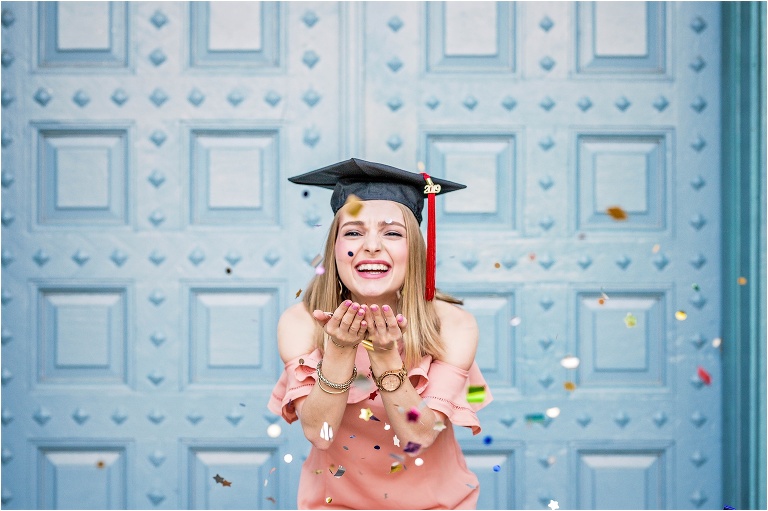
[[375, 369]]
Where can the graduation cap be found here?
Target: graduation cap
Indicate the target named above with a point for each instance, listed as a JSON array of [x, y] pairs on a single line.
[[375, 181]]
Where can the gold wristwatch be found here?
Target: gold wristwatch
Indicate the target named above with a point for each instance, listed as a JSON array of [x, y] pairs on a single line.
[[390, 381]]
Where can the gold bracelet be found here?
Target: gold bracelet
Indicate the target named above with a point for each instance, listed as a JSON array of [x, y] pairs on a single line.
[[368, 344], [328, 391], [338, 386], [341, 346]]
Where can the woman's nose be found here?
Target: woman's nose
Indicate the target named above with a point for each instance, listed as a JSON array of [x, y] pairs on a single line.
[[372, 243]]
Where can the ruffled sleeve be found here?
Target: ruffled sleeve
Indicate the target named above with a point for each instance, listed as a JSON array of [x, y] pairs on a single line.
[[296, 381], [445, 387]]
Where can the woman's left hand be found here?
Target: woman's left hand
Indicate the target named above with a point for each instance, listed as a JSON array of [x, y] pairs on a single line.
[[384, 329]]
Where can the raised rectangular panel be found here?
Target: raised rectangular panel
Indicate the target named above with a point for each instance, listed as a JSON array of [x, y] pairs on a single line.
[[622, 170], [82, 34], [246, 467], [470, 37], [621, 37], [487, 165], [496, 351], [498, 487], [232, 335], [82, 335], [614, 354], [622, 476], [235, 34], [82, 176], [234, 176], [81, 477]]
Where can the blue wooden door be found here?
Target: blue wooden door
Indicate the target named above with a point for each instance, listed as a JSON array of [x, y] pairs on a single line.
[[150, 239]]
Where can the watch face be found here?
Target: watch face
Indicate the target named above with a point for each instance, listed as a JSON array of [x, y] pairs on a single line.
[[390, 382]]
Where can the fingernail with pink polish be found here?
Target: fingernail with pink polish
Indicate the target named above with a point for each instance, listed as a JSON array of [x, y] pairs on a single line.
[[374, 308], [347, 303], [400, 319], [385, 308]]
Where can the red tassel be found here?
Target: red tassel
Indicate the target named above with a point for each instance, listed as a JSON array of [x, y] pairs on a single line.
[[429, 292]]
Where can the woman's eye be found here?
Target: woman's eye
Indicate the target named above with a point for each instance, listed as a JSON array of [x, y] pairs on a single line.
[[394, 233], [352, 233]]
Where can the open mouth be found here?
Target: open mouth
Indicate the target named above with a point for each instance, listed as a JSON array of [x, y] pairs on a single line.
[[372, 269]]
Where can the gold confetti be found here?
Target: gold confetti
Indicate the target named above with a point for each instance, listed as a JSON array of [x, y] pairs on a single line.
[[353, 205], [396, 467], [497, 265], [298, 293], [742, 281], [569, 386], [601, 301], [681, 315], [100, 464], [630, 320], [366, 414], [616, 213], [328, 500], [318, 471]]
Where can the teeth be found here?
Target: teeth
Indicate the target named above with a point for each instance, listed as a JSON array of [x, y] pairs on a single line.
[[372, 267]]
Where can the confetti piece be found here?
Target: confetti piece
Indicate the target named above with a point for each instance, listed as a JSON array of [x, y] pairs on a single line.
[[569, 385], [681, 315], [386, 427], [515, 321], [553, 505], [582, 236], [630, 320], [272, 500], [742, 281], [396, 467], [420, 166], [326, 432], [288, 458], [377, 447], [298, 293], [328, 500], [317, 260], [318, 471], [226, 483], [656, 248], [616, 213], [366, 414], [350, 253], [476, 394], [570, 362], [439, 426], [535, 417], [411, 447], [413, 414], [320, 270], [488, 440], [388, 221], [274, 430], [601, 301], [397, 457], [218, 478], [354, 205], [716, 342], [704, 375], [728, 507], [553, 412], [695, 287], [337, 472], [471, 485], [532, 256], [497, 265], [100, 464], [396, 441], [374, 418], [418, 462], [497, 468]]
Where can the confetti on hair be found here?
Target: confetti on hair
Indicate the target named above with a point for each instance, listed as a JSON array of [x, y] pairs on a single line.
[[396, 441], [439, 426], [326, 432], [413, 414], [396, 467], [704, 375], [366, 414], [298, 293], [681, 315], [476, 394], [630, 320], [354, 205], [411, 447], [569, 386], [616, 213]]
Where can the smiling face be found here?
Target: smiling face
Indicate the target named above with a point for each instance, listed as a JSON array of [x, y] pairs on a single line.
[[376, 238]]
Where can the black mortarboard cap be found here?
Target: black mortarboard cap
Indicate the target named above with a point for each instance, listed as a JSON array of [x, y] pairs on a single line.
[[373, 181]]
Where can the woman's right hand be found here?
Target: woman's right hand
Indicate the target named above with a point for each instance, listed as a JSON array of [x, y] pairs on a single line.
[[347, 326]]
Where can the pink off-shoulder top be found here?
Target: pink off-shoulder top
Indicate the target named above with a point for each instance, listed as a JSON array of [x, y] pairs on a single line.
[[367, 449]]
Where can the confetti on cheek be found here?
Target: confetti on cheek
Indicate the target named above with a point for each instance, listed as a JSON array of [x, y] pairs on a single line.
[[366, 414], [616, 213], [326, 432], [569, 386], [413, 414], [350, 253], [630, 320], [704, 375], [439, 426], [681, 315], [476, 394], [411, 447], [418, 462]]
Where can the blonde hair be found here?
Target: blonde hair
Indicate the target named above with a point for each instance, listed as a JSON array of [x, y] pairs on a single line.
[[422, 333]]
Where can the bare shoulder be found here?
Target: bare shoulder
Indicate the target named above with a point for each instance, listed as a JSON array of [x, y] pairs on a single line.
[[295, 332], [460, 334]]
